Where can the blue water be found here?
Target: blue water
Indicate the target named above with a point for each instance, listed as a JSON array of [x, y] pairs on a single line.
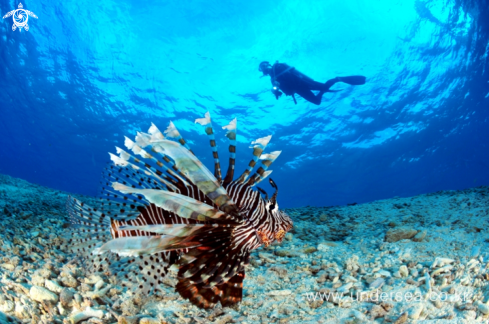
[[88, 73]]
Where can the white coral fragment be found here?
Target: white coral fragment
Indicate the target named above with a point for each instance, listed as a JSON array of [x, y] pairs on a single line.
[[87, 313]]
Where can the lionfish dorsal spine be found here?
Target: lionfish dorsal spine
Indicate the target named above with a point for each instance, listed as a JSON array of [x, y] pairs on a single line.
[[145, 140], [173, 132], [265, 161], [207, 123], [135, 148], [273, 200], [155, 136], [263, 176], [185, 207], [125, 159], [258, 147], [198, 174], [231, 135]]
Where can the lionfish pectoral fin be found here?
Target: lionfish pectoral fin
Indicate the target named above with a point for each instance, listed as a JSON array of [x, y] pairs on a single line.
[[89, 227], [198, 174], [205, 270], [173, 132], [163, 170], [145, 167], [232, 290], [180, 230], [143, 273], [181, 205], [201, 297], [126, 160], [144, 245]]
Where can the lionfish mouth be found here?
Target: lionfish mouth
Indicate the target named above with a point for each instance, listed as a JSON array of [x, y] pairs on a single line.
[[279, 236], [162, 208], [264, 238]]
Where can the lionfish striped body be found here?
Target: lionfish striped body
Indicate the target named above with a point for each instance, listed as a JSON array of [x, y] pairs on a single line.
[[163, 208]]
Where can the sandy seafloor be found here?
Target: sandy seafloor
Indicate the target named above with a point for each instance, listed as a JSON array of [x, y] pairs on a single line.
[[421, 259]]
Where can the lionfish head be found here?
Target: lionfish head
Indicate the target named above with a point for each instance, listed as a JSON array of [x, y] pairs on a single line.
[[283, 222]]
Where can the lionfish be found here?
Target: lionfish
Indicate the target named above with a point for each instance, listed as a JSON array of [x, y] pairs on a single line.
[[161, 208]]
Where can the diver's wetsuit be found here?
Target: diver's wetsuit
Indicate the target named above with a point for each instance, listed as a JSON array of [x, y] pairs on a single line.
[[292, 81]]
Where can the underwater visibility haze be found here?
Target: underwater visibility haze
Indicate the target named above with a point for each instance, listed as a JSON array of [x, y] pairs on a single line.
[[88, 73]]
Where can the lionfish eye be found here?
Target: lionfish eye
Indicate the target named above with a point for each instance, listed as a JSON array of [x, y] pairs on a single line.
[[272, 207]]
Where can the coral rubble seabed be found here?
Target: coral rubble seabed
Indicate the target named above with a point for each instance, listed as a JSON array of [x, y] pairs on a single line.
[[421, 259]]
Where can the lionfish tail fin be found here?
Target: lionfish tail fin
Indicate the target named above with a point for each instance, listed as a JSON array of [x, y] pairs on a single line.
[[207, 123], [231, 135]]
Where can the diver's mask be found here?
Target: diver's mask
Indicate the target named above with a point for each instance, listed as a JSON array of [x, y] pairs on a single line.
[[264, 67]]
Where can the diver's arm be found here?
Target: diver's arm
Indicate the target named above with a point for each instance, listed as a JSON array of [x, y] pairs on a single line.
[[277, 93]]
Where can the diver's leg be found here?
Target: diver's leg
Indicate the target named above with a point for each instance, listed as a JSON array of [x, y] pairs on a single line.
[[310, 96], [314, 85], [328, 84], [351, 80]]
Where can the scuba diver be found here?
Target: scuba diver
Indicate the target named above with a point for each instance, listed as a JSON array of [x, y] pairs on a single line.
[[291, 81]]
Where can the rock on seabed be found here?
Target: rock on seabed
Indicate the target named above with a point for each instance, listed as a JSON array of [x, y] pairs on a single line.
[[399, 233], [41, 294]]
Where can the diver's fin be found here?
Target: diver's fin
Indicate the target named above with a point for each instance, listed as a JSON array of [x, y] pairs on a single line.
[[353, 80]]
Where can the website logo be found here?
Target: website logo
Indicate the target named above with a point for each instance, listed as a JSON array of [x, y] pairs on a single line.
[[20, 17]]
